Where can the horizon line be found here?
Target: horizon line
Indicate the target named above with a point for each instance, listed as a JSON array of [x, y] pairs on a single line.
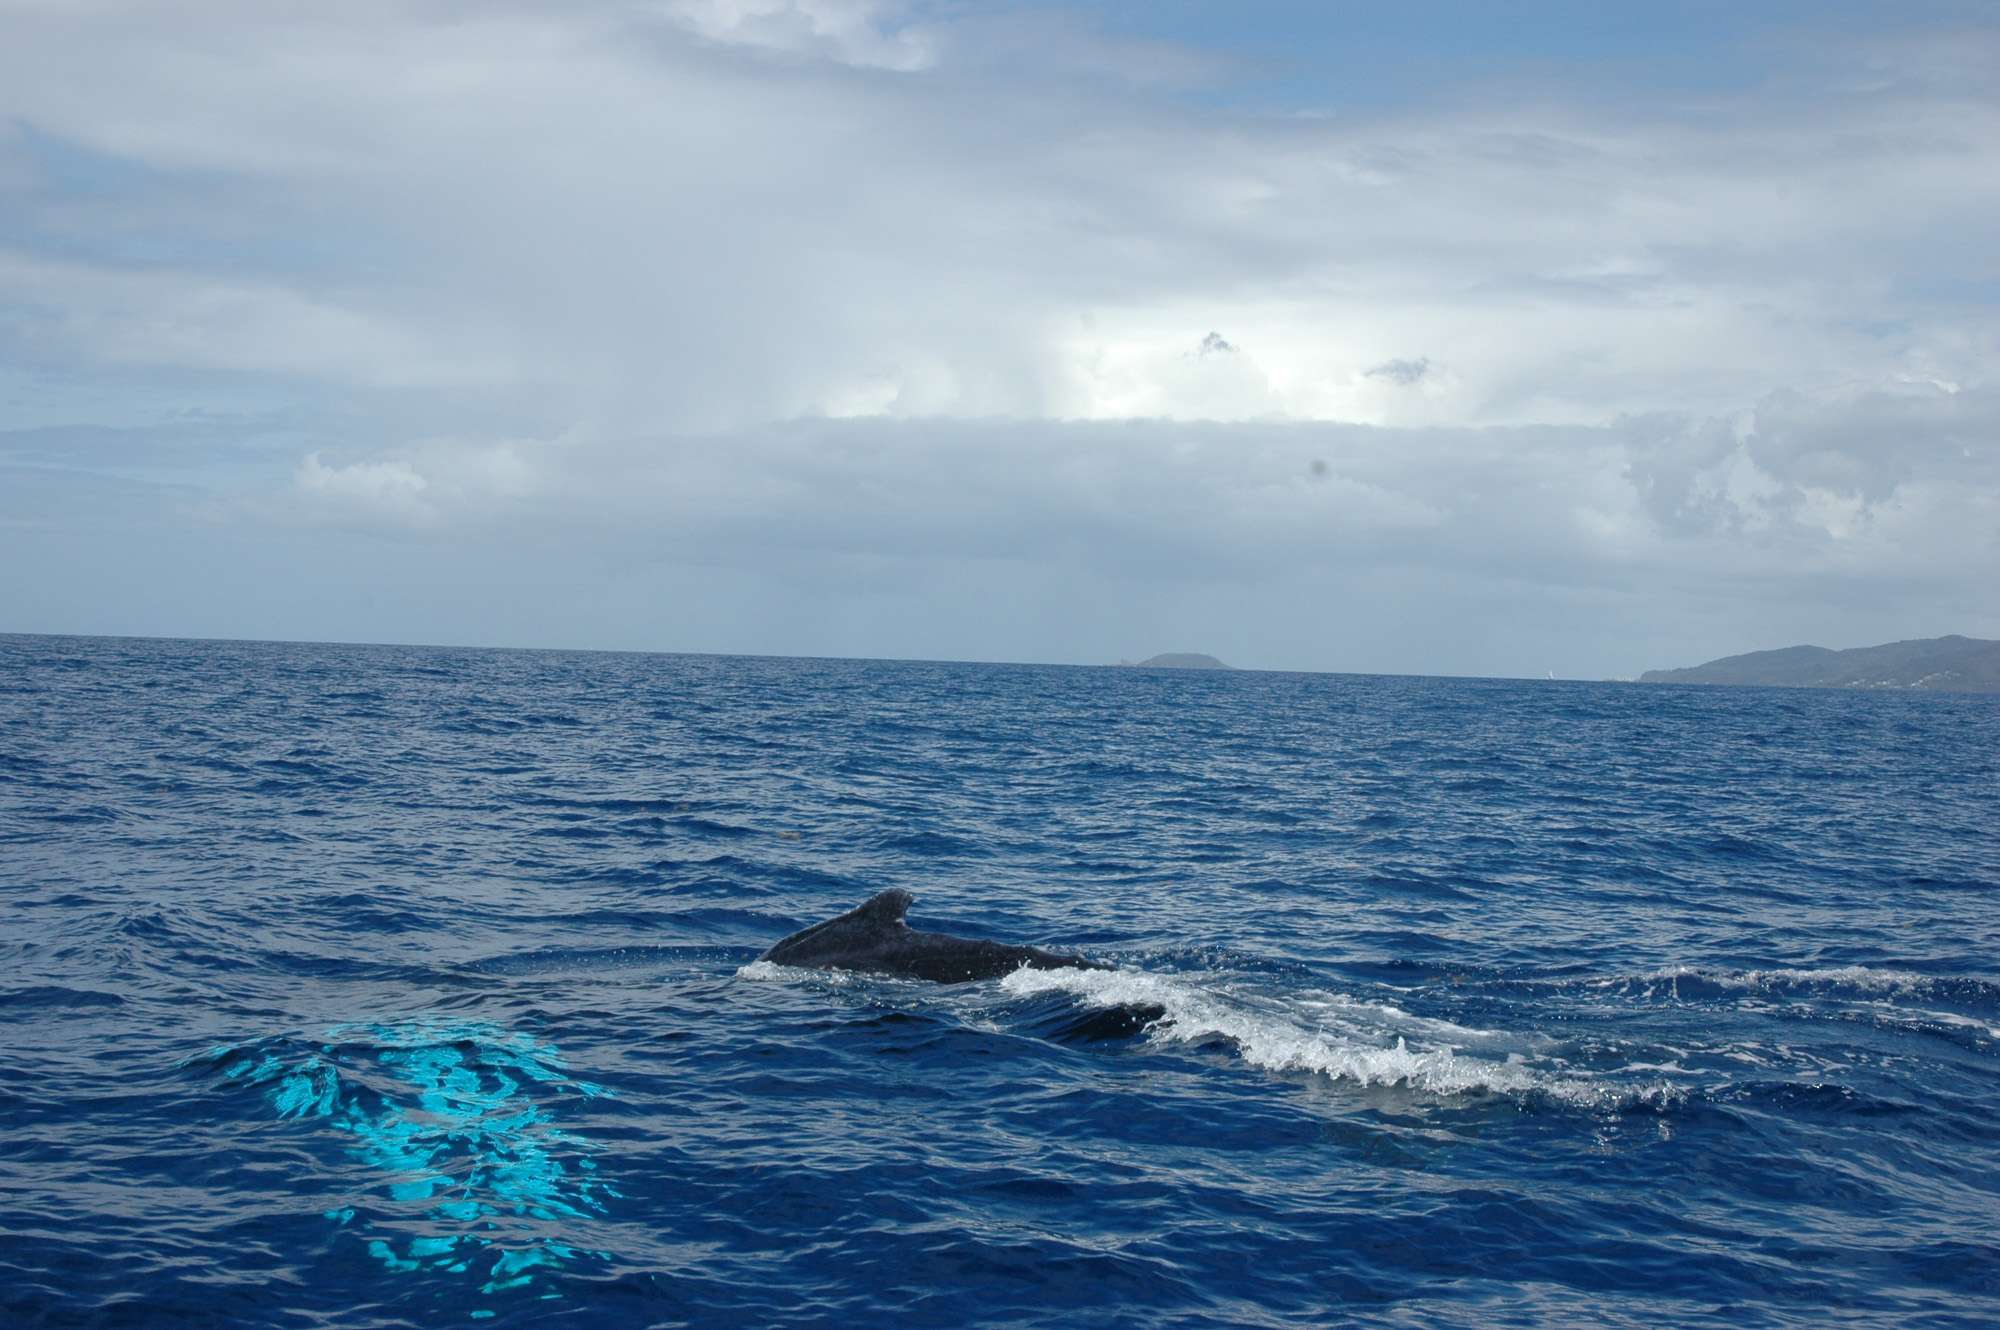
[[771, 655]]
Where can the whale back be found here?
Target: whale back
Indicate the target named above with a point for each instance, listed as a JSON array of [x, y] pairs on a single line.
[[870, 922], [885, 909], [874, 936]]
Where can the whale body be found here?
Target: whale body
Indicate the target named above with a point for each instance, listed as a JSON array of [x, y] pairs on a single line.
[[873, 936]]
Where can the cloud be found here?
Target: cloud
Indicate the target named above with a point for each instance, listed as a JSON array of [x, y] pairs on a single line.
[[852, 32], [1604, 549], [391, 490], [1622, 505], [445, 486], [588, 201], [117, 315], [1868, 446], [1400, 372]]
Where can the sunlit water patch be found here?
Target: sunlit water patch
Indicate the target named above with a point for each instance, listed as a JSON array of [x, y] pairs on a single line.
[[461, 1124]]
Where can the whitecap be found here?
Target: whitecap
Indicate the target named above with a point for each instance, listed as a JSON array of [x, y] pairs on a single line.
[[1275, 1034]]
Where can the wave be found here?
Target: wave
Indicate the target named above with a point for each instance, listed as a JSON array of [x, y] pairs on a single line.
[[1295, 1034], [1923, 1020], [1862, 978], [42, 998], [1695, 983]]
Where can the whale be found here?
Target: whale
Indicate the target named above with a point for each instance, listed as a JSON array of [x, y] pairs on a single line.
[[874, 937]]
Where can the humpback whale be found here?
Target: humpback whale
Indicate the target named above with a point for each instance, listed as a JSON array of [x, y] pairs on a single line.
[[873, 936]]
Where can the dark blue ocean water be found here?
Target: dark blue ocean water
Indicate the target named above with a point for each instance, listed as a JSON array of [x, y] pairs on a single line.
[[382, 986]]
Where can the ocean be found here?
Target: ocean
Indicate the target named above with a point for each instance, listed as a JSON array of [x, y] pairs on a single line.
[[383, 986]]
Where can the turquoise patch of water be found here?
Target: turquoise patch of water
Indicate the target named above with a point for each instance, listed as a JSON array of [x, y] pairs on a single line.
[[459, 1120]]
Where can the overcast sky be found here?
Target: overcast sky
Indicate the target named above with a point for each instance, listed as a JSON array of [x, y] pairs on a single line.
[[1461, 338]]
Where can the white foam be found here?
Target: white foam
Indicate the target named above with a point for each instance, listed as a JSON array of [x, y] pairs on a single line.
[[1914, 1017], [1864, 977], [768, 972], [1269, 1033], [1340, 1005]]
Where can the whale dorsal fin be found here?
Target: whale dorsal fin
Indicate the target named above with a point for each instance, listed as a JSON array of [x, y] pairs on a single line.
[[885, 909]]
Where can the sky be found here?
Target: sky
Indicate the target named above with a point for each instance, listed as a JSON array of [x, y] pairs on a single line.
[[1470, 338]]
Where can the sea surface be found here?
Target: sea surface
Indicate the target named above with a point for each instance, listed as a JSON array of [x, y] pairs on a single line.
[[393, 986]]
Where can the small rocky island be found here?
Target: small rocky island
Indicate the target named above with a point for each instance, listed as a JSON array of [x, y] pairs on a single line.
[[1943, 664], [1177, 660]]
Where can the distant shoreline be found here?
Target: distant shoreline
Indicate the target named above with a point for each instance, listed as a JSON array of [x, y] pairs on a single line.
[[1950, 664]]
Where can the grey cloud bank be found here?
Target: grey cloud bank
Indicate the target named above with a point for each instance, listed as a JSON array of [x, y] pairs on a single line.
[[1592, 548], [857, 329]]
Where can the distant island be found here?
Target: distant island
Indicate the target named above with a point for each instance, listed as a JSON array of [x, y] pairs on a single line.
[[1944, 664], [1177, 660]]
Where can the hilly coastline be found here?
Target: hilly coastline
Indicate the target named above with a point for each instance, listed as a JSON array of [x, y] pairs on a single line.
[[1942, 664]]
